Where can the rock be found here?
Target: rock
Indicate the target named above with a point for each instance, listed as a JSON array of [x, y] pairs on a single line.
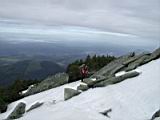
[[106, 82], [18, 111], [34, 106], [114, 66], [83, 87], [132, 59], [69, 93], [140, 61], [154, 55], [105, 113], [117, 69], [91, 81], [114, 80], [51, 82], [156, 115]]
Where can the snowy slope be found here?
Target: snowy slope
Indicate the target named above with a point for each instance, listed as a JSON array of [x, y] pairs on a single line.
[[133, 99]]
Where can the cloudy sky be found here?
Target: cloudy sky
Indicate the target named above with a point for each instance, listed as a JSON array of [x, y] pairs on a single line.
[[129, 21]]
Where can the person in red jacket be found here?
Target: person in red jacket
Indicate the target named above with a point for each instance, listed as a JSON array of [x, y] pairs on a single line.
[[83, 71]]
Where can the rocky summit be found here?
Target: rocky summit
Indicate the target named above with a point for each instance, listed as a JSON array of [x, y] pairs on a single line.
[[106, 75], [127, 63]]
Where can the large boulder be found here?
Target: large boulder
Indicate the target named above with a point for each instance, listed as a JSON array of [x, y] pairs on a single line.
[[154, 55], [69, 93], [138, 62], [143, 59], [114, 80], [51, 82], [132, 59], [91, 81], [34, 106], [83, 87], [18, 111]]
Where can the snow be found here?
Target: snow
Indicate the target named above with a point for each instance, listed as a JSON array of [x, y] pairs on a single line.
[[93, 79], [120, 73], [75, 85], [133, 99], [124, 72]]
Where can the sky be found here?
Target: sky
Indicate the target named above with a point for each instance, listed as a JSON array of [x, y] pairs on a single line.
[[116, 21]]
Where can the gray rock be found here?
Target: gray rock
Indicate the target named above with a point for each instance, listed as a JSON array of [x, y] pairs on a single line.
[[69, 93], [105, 113], [117, 69], [127, 63], [91, 82], [51, 82], [154, 55], [140, 61], [114, 80], [83, 87], [106, 82], [18, 111], [156, 115], [34, 106], [132, 59], [114, 66]]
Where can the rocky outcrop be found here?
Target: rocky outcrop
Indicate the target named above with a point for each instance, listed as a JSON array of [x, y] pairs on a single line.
[[143, 59], [127, 63], [18, 111], [69, 93], [34, 106], [124, 63], [114, 66], [51, 82], [155, 54], [106, 75], [140, 61], [114, 80]]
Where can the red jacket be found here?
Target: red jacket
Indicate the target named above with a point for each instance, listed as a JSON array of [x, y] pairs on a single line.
[[84, 70]]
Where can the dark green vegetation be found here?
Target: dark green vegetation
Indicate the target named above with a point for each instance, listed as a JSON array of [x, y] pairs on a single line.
[[94, 63], [12, 70], [11, 93]]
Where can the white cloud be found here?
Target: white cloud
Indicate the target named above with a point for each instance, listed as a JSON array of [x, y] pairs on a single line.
[[126, 17]]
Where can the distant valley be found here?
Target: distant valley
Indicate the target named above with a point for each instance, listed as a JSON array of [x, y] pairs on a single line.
[[38, 60], [15, 69]]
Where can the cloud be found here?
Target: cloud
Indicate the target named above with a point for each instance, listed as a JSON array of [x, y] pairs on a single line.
[[131, 17]]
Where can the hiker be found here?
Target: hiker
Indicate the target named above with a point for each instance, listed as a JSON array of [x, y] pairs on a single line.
[[83, 71]]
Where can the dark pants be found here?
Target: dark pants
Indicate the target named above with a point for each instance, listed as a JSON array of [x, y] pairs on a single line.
[[83, 76]]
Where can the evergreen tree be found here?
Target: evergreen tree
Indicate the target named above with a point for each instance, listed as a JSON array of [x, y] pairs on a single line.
[[94, 63]]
